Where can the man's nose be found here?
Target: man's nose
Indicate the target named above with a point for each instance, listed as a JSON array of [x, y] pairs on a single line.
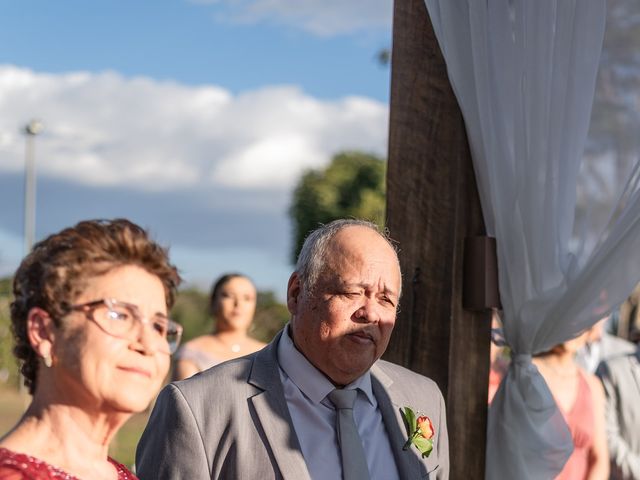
[[368, 311]]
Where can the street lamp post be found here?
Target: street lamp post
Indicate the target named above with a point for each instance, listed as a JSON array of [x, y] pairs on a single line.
[[33, 128]]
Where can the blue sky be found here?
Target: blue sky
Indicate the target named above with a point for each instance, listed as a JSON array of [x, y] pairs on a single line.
[[193, 118], [199, 43]]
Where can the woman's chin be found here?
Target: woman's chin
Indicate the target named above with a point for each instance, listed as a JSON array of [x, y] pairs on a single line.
[[237, 325], [128, 406]]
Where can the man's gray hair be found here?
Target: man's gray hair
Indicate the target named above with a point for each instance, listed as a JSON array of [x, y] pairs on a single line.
[[312, 256]]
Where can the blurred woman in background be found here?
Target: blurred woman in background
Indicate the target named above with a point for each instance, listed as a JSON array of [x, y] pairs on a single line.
[[232, 303], [94, 342], [580, 398]]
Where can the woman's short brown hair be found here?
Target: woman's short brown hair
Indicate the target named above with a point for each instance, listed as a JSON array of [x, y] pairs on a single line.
[[56, 271]]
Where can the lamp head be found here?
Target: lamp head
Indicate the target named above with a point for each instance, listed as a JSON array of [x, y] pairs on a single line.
[[34, 127]]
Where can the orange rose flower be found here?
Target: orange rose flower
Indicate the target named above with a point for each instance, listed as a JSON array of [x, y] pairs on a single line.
[[420, 431], [426, 427]]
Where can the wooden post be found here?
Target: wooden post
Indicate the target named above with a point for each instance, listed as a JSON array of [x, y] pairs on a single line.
[[432, 205]]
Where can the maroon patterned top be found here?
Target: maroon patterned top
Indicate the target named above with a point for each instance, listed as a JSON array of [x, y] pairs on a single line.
[[19, 466]]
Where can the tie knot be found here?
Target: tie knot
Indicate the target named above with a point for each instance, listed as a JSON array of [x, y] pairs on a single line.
[[342, 398]]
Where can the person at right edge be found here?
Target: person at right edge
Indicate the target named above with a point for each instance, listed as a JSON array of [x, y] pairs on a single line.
[[620, 377], [316, 403]]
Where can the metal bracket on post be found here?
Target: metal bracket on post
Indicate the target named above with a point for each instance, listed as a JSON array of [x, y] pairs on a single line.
[[480, 282]]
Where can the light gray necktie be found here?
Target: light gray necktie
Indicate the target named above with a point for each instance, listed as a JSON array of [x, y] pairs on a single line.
[[354, 462]]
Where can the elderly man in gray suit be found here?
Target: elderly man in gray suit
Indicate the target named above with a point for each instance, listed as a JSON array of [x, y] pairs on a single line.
[[621, 379], [316, 403]]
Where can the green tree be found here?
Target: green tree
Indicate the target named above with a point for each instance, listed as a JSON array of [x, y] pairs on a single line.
[[353, 185], [8, 364]]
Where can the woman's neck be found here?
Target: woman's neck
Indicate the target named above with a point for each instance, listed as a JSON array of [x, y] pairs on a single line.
[[230, 336], [562, 364], [66, 436]]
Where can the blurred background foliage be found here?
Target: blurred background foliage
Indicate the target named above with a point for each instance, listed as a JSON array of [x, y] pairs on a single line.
[[8, 365]]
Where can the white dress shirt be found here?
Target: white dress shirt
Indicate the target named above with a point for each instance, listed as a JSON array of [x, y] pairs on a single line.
[[314, 417]]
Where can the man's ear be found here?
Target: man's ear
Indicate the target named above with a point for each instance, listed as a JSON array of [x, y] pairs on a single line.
[[40, 331], [293, 292]]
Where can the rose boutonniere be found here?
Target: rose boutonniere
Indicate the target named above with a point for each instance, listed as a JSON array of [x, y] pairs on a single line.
[[420, 431]]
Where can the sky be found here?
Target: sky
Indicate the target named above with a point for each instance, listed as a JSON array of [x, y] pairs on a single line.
[[193, 118]]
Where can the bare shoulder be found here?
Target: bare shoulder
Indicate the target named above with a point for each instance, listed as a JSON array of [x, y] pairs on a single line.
[[233, 371], [184, 368]]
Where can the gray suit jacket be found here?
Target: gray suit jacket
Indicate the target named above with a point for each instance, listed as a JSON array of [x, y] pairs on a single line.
[[232, 422], [609, 346], [621, 379]]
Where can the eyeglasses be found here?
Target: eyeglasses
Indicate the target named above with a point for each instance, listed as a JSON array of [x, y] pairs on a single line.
[[124, 320]]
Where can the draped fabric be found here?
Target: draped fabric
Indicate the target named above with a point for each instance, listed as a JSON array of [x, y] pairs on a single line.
[[524, 75]]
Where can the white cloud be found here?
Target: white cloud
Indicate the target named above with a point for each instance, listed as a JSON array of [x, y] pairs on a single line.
[[321, 17], [266, 162], [109, 130]]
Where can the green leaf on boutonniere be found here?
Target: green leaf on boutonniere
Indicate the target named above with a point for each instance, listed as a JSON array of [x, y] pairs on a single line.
[[420, 431], [410, 421], [425, 446]]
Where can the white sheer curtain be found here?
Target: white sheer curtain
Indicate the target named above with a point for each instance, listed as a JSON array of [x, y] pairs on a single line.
[[524, 74]]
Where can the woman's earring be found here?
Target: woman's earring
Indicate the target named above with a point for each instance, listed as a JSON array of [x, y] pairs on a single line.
[[47, 360]]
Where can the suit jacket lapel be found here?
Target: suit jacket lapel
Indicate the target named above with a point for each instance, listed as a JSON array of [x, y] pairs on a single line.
[[390, 401], [273, 413]]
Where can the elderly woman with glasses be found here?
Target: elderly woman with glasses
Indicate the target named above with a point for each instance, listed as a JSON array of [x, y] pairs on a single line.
[[94, 342]]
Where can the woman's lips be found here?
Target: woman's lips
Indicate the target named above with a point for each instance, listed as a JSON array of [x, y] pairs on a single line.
[[137, 370]]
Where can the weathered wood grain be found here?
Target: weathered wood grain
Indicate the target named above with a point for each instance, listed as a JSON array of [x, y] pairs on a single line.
[[432, 205]]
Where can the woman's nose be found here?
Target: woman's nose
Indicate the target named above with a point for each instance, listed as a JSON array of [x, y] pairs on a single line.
[[146, 340]]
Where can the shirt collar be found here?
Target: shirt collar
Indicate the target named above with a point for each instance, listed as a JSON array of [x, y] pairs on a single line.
[[311, 381]]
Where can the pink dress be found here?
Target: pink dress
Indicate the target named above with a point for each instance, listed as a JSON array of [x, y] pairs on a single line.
[[580, 421], [497, 371], [19, 466]]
